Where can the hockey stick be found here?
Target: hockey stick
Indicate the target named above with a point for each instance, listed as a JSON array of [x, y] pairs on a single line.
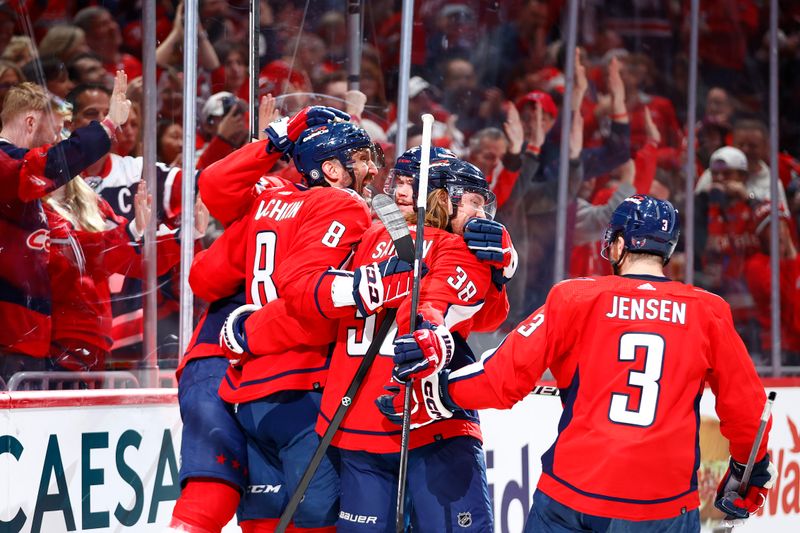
[[397, 227], [422, 201], [729, 522]]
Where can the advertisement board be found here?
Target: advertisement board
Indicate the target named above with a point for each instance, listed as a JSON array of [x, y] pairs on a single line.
[[88, 461], [107, 461], [516, 439]]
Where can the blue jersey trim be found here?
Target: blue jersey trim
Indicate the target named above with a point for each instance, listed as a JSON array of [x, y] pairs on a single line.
[[647, 277], [568, 396], [482, 363], [211, 323], [693, 484], [278, 376], [316, 290], [621, 500]]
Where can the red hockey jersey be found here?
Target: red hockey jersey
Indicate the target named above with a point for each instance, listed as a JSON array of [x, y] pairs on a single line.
[[25, 296], [632, 356], [80, 265], [454, 292], [227, 185], [280, 252], [758, 274]]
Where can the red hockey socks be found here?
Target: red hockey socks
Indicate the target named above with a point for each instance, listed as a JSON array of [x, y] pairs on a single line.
[[206, 504]]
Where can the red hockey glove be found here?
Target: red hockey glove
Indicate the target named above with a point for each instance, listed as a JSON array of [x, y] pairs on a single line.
[[428, 401], [728, 499], [490, 242], [422, 353], [384, 284], [232, 337], [283, 133]]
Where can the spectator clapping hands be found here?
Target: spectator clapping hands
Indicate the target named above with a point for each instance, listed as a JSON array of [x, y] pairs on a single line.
[[119, 106], [513, 129]]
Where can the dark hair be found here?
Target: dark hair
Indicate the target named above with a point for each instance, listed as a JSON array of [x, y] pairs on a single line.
[[72, 68], [72, 96], [161, 128], [51, 68], [84, 19], [752, 123], [225, 48], [332, 77]]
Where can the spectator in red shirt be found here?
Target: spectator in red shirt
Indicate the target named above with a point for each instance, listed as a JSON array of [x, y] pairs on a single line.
[[88, 243], [231, 75], [332, 29], [724, 233], [105, 38], [301, 63], [726, 28], [758, 274], [634, 74]]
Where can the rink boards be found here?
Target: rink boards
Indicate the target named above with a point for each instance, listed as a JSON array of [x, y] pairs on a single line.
[[107, 461]]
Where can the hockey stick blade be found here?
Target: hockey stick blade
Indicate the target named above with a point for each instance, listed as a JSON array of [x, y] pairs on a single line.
[[395, 223], [401, 237]]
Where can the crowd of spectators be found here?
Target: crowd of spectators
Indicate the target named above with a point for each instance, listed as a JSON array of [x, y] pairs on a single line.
[[492, 75]]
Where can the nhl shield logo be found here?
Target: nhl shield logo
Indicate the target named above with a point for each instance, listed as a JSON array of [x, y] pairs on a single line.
[[465, 519]]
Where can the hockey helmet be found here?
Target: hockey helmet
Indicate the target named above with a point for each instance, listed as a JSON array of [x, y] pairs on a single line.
[[446, 171], [647, 225], [335, 140], [461, 177], [408, 165]]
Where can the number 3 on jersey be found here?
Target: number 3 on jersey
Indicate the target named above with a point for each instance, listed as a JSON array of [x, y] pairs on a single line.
[[646, 381]]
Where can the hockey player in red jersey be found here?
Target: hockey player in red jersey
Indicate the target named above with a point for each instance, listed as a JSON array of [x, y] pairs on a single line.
[[453, 295], [214, 460], [284, 252], [631, 376]]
